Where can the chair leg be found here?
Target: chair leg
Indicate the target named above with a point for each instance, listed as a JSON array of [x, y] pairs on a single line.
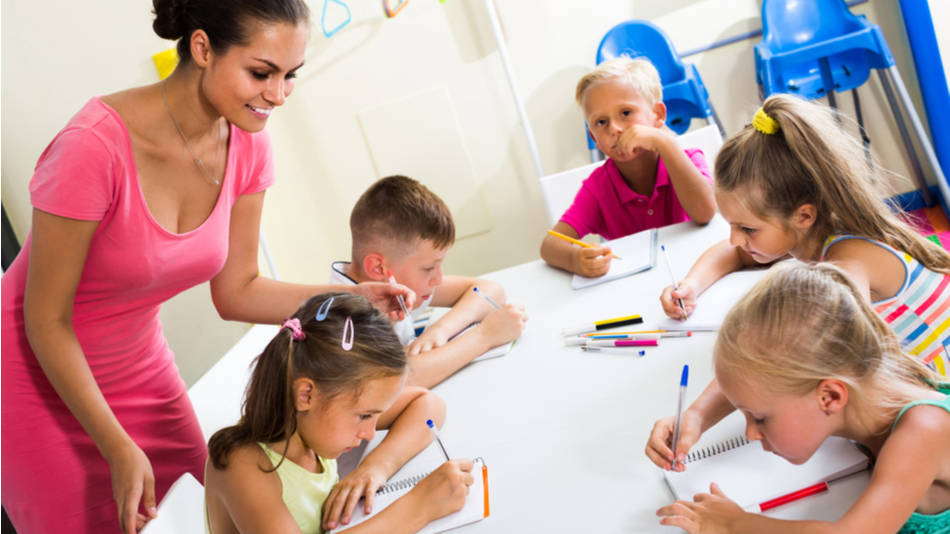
[[716, 121], [942, 184], [865, 140], [905, 136]]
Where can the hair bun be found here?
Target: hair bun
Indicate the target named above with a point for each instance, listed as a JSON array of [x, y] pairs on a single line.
[[169, 18]]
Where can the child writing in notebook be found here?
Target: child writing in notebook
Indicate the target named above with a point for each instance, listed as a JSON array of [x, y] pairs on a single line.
[[804, 357], [793, 183], [316, 391], [401, 228], [648, 180]]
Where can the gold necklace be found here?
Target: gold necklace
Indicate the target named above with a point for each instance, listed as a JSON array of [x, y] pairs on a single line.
[[194, 157]]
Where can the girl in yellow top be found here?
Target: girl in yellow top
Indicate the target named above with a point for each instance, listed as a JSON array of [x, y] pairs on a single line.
[[317, 390], [804, 357]]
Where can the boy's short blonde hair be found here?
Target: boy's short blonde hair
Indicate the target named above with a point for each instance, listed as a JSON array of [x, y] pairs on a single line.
[[639, 73]]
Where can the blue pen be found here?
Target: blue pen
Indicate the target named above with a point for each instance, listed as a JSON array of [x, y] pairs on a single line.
[[679, 412], [486, 297], [437, 439], [676, 286]]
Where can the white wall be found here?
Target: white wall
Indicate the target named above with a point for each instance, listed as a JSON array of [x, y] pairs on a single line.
[[58, 53]]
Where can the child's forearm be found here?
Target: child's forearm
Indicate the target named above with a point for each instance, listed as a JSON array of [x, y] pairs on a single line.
[[428, 368], [558, 253], [693, 190], [401, 517], [718, 261], [711, 405], [757, 523], [469, 307], [408, 432]]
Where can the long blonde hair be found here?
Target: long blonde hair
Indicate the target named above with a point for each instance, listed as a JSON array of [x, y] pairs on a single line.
[[804, 323], [812, 160]]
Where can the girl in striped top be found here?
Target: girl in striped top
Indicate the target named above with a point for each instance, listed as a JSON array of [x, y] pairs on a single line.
[[793, 183]]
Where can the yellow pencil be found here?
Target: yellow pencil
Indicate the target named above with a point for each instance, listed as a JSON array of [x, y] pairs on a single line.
[[570, 239]]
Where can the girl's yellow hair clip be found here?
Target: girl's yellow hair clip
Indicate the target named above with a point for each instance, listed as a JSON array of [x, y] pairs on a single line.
[[763, 123]]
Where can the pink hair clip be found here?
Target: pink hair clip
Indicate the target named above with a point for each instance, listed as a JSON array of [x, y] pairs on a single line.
[[296, 331], [347, 343]]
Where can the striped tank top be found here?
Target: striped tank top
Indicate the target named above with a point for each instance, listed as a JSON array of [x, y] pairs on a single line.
[[919, 313]]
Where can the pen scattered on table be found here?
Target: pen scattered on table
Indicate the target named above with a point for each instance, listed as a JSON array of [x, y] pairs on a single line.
[[673, 276], [583, 340], [601, 325], [578, 242], [487, 298], [431, 426], [616, 350], [638, 335], [679, 412], [622, 343]]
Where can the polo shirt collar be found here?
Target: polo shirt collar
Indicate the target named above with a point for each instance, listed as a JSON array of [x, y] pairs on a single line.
[[625, 193]]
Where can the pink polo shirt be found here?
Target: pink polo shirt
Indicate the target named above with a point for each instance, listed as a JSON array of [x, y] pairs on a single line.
[[607, 206]]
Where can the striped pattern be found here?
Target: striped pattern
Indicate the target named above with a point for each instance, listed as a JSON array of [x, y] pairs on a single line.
[[919, 313]]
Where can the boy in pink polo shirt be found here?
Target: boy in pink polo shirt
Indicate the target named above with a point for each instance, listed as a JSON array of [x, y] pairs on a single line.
[[648, 180]]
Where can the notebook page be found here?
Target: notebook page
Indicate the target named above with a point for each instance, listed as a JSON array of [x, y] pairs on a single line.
[[638, 252], [714, 303], [749, 475], [474, 509]]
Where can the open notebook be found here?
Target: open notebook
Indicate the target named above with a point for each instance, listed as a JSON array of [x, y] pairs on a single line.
[[749, 475], [638, 252], [475, 509], [714, 303]]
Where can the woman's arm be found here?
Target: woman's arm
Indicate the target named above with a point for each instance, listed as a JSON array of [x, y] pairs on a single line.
[[240, 293], [57, 257], [408, 435]]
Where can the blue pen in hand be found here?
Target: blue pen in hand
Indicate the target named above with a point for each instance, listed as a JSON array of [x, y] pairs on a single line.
[[487, 298], [679, 412], [431, 426], [676, 286]]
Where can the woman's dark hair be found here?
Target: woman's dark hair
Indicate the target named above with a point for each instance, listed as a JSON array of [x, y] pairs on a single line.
[[268, 413], [225, 21]]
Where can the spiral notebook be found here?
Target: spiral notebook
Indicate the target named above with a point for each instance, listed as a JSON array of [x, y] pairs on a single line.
[[749, 475], [475, 509], [638, 252]]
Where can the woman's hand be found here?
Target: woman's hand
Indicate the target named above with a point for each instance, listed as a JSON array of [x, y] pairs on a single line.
[[132, 483], [383, 296], [670, 298], [340, 504], [659, 446], [709, 513], [444, 491]]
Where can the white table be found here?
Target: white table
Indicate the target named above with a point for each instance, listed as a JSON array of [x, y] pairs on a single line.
[[562, 430]]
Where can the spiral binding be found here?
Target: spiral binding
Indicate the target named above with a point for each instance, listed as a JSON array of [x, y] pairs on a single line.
[[718, 448], [406, 483], [401, 484]]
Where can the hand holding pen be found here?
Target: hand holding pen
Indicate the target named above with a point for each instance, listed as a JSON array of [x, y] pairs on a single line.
[[673, 277]]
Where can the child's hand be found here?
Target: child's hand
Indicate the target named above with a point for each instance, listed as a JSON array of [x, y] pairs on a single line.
[[383, 297], [340, 504], [431, 338], [591, 262], [445, 489], [503, 324], [636, 138], [669, 299], [661, 440], [709, 513]]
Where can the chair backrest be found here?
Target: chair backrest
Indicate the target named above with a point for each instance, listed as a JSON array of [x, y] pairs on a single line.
[[789, 25], [559, 189], [181, 510], [643, 38]]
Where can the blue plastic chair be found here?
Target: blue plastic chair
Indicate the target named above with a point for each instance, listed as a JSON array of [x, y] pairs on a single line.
[[815, 48], [684, 93]]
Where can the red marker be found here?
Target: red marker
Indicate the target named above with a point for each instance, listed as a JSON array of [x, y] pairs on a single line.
[[793, 496]]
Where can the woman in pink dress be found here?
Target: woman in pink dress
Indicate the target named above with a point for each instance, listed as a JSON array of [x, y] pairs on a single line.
[[145, 193]]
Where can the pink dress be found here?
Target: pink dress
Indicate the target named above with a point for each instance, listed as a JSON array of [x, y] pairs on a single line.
[[53, 477]]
